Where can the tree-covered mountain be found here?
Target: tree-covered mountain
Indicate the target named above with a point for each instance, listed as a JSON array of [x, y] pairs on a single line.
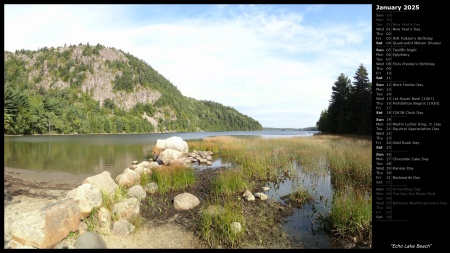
[[96, 89]]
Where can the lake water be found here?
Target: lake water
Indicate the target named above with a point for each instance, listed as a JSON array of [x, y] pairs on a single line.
[[72, 158], [81, 155]]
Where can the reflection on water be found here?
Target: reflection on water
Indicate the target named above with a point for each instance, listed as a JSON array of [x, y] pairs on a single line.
[[302, 225], [216, 163], [93, 154], [89, 155]]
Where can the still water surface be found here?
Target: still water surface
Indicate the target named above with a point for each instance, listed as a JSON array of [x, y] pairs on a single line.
[[93, 154], [72, 158]]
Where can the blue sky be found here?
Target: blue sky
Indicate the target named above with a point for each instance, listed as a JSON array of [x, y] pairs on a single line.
[[275, 63]]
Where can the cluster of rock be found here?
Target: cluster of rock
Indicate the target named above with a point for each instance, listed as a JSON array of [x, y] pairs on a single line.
[[49, 226], [174, 151], [236, 227], [249, 196]]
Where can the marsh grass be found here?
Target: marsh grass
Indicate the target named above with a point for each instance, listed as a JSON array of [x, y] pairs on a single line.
[[300, 196], [230, 182], [145, 179], [216, 226], [347, 158], [351, 214], [173, 178], [350, 161]]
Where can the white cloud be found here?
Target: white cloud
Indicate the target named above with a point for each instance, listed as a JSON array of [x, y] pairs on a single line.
[[271, 63]]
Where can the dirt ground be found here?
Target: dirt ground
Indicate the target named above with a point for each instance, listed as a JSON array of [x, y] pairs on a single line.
[[162, 226]]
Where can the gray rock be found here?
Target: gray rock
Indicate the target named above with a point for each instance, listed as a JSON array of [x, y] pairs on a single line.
[[236, 227], [138, 192], [128, 178], [261, 196], [123, 227], [246, 193], [87, 196], [185, 201], [90, 240], [151, 187], [103, 182], [61, 245], [128, 209]]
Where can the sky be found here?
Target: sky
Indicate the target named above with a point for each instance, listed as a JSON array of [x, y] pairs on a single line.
[[275, 63]]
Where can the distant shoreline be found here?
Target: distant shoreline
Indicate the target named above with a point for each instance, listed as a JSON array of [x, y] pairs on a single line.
[[75, 134]]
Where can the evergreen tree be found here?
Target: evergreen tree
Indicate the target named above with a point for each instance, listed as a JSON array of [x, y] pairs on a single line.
[[350, 108], [361, 100], [337, 110], [50, 96]]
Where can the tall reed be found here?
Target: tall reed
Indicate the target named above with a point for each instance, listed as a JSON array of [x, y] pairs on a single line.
[[347, 159], [173, 178]]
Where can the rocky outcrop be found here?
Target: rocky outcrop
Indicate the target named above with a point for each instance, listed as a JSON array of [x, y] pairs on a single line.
[[103, 216], [174, 142], [46, 228]]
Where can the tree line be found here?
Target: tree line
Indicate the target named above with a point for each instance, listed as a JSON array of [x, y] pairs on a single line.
[[29, 108], [350, 107]]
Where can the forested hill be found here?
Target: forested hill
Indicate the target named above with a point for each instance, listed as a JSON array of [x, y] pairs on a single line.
[[96, 89]]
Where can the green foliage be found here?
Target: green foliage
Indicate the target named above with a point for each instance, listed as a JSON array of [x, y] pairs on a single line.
[[108, 103], [36, 104], [350, 108]]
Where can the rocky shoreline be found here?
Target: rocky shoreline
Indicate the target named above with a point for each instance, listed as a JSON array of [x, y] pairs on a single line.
[[167, 228]]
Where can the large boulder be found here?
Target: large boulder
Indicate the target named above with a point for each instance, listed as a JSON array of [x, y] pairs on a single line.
[[46, 227], [174, 142], [103, 182], [87, 196], [169, 154], [128, 178]]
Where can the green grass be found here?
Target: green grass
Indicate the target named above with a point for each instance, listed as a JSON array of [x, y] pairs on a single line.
[[347, 158], [91, 221], [229, 182], [216, 228], [120, 194], [145, 179], [351, 214], [173, 178]]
